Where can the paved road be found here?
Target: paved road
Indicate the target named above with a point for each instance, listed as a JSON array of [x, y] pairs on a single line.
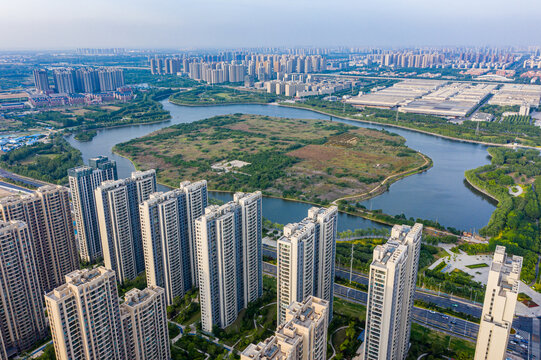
[[25, 180], [435, 320], [7, 185]]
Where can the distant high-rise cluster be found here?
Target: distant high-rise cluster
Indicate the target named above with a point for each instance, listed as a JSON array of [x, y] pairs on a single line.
[[391, 291], [306, 255], [80, 80], [235, 67], [303, 335]]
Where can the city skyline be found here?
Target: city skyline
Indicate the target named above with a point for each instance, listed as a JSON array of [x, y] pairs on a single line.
[[240, 23]]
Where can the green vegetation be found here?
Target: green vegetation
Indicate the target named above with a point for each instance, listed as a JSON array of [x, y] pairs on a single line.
[[216, 95], [364, 232], [48, 353], [435, 240], [363, 250], [347, 323], [517, 120], [140, 282], [438, 345], [185, 310], [86, 135], [493, 132], [195, 347], [456, 282], [143, 76], [477, 266], [498, 111], [310, 160], [44, 161], [514, 223], [263, 311]]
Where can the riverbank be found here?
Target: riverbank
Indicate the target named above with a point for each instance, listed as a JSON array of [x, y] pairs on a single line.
[[407, 128]]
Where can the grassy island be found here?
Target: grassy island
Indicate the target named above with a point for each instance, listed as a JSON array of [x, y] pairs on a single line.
[[221, 95], [308, 160], [515, 222]]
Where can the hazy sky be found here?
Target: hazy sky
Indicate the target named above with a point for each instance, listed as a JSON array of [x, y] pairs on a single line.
[[56, 24]]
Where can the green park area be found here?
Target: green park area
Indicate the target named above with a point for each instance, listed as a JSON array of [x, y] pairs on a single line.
[[515, 222], [219, 95], [310, 160]]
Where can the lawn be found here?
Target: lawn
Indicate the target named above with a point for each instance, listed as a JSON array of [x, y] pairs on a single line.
[[310, 160]]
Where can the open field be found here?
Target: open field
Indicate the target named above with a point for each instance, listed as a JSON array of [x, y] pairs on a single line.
[[216, 95], [309, 160]]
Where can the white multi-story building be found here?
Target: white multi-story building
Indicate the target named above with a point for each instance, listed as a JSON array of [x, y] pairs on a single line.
[[391, 291], [84, 316], [499, 306], [302, 337], [117, 207], [164, 230], [83, 181], [144, 324], [228, 242], [306, 255], [196, 202], [22, 320], [48, 216]]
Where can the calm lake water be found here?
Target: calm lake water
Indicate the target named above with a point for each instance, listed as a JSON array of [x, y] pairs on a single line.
[[438, 194]]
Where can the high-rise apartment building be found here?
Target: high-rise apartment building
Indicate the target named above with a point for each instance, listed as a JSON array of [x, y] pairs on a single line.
[[41, 80], [295, 265], [306, 254], [251, 211], [87, 80], [64, 81], [110, 79], [391, 291], [88, 322], [325, 220], [144, 324], [83, 181], [22, 319], [196, 202], [499, 306], [117, 208], [303, 336], [164, 230], [48, 216], [224, 234], [89, 296]]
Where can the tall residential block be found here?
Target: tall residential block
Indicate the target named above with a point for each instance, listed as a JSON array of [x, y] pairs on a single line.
[[251, 209], [303, 336], [325, 220], [164, 231], [41, 80], [196, 202], [48, 216], [83, 181], [22, 316], [499, 306], [391, 291], [117, 208], [306, 254], [222, 234], [144, 324], [89, 296]]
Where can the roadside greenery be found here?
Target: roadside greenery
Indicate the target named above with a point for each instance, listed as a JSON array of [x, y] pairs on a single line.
[[515, 222], [493, 132], [438, 345], [43, 161]]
